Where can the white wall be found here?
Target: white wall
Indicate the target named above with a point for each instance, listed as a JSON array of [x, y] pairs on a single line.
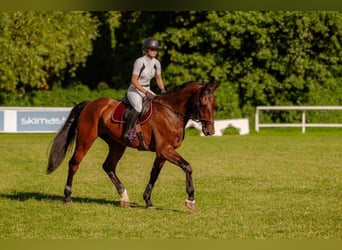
[[242, 125]]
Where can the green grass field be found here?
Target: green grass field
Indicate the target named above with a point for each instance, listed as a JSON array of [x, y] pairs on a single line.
[[265, 186]]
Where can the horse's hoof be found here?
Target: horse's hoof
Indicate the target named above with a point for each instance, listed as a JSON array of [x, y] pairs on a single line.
[[124, 204], [190, 204], [150, 208], [67, 202]]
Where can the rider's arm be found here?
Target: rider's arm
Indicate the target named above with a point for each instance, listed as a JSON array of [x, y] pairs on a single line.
[[136, 84], [160, 81]]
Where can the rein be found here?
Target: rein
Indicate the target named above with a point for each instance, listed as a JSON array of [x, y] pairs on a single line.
[[170, 108], [198, 119]]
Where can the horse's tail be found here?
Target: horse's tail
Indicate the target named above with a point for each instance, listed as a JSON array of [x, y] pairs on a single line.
[[64, 138]]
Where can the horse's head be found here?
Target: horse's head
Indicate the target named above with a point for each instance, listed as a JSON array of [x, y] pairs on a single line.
[[205, 108]]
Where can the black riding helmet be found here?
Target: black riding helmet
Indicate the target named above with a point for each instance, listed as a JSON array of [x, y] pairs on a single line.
[[150, 43]]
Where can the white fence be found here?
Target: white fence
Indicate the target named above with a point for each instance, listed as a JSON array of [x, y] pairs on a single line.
[[303, 123]]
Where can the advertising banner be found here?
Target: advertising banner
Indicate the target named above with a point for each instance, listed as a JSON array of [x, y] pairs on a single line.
[[40, 121], [32, 120]]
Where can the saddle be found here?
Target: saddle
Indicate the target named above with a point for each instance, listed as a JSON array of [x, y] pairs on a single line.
[[121, 111]]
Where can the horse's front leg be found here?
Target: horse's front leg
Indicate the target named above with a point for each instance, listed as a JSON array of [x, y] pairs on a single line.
[[157, 166], [171, 155]]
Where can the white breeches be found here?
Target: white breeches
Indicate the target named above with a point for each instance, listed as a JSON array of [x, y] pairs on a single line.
[[135, 97]]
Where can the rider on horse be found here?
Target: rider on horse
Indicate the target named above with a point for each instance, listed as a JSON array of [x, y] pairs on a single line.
[[145, 68]]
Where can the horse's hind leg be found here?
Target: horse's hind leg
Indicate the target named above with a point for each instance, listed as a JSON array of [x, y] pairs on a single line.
[[81, 149], [115, 153]]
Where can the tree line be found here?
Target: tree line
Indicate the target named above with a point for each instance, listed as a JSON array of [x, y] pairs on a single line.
[[259, 57]]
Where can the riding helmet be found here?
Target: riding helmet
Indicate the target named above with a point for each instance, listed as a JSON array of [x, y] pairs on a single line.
[[150, 43]]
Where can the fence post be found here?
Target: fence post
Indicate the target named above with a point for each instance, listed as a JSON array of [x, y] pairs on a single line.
[[257, 120], [303, 122]]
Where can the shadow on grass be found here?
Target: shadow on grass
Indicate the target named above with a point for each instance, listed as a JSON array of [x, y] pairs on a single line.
[[24, 196]]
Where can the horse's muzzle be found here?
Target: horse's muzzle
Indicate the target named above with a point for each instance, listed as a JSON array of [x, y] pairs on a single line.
[[208, 129], [206, 133]]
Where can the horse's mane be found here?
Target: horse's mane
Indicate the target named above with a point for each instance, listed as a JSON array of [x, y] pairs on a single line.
[[182, 86]]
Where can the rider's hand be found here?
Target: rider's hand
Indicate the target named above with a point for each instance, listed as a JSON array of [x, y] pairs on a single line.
[[149, 95], [163, 91]]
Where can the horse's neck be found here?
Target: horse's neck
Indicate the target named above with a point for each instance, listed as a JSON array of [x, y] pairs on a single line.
[[179, 101], [180, 104]]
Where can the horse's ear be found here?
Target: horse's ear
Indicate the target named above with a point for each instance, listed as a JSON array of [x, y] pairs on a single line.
[[215, 86]]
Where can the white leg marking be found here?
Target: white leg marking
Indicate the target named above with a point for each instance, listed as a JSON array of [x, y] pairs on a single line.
[[124, 196], [67, 187], [189, 201]]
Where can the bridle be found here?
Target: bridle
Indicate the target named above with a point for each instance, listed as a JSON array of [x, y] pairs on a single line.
[[197, 112]]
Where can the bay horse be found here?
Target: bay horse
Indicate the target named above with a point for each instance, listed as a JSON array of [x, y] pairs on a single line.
[[162, 134]]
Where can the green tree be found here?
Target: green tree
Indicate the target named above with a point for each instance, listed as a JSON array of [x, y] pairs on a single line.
[[98, 71], [270, 58], [39, 46]]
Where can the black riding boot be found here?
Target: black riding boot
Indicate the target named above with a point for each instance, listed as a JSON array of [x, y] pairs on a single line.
[[132, 119]]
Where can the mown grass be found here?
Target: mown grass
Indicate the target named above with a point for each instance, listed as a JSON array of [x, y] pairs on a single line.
[[264, 186]]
